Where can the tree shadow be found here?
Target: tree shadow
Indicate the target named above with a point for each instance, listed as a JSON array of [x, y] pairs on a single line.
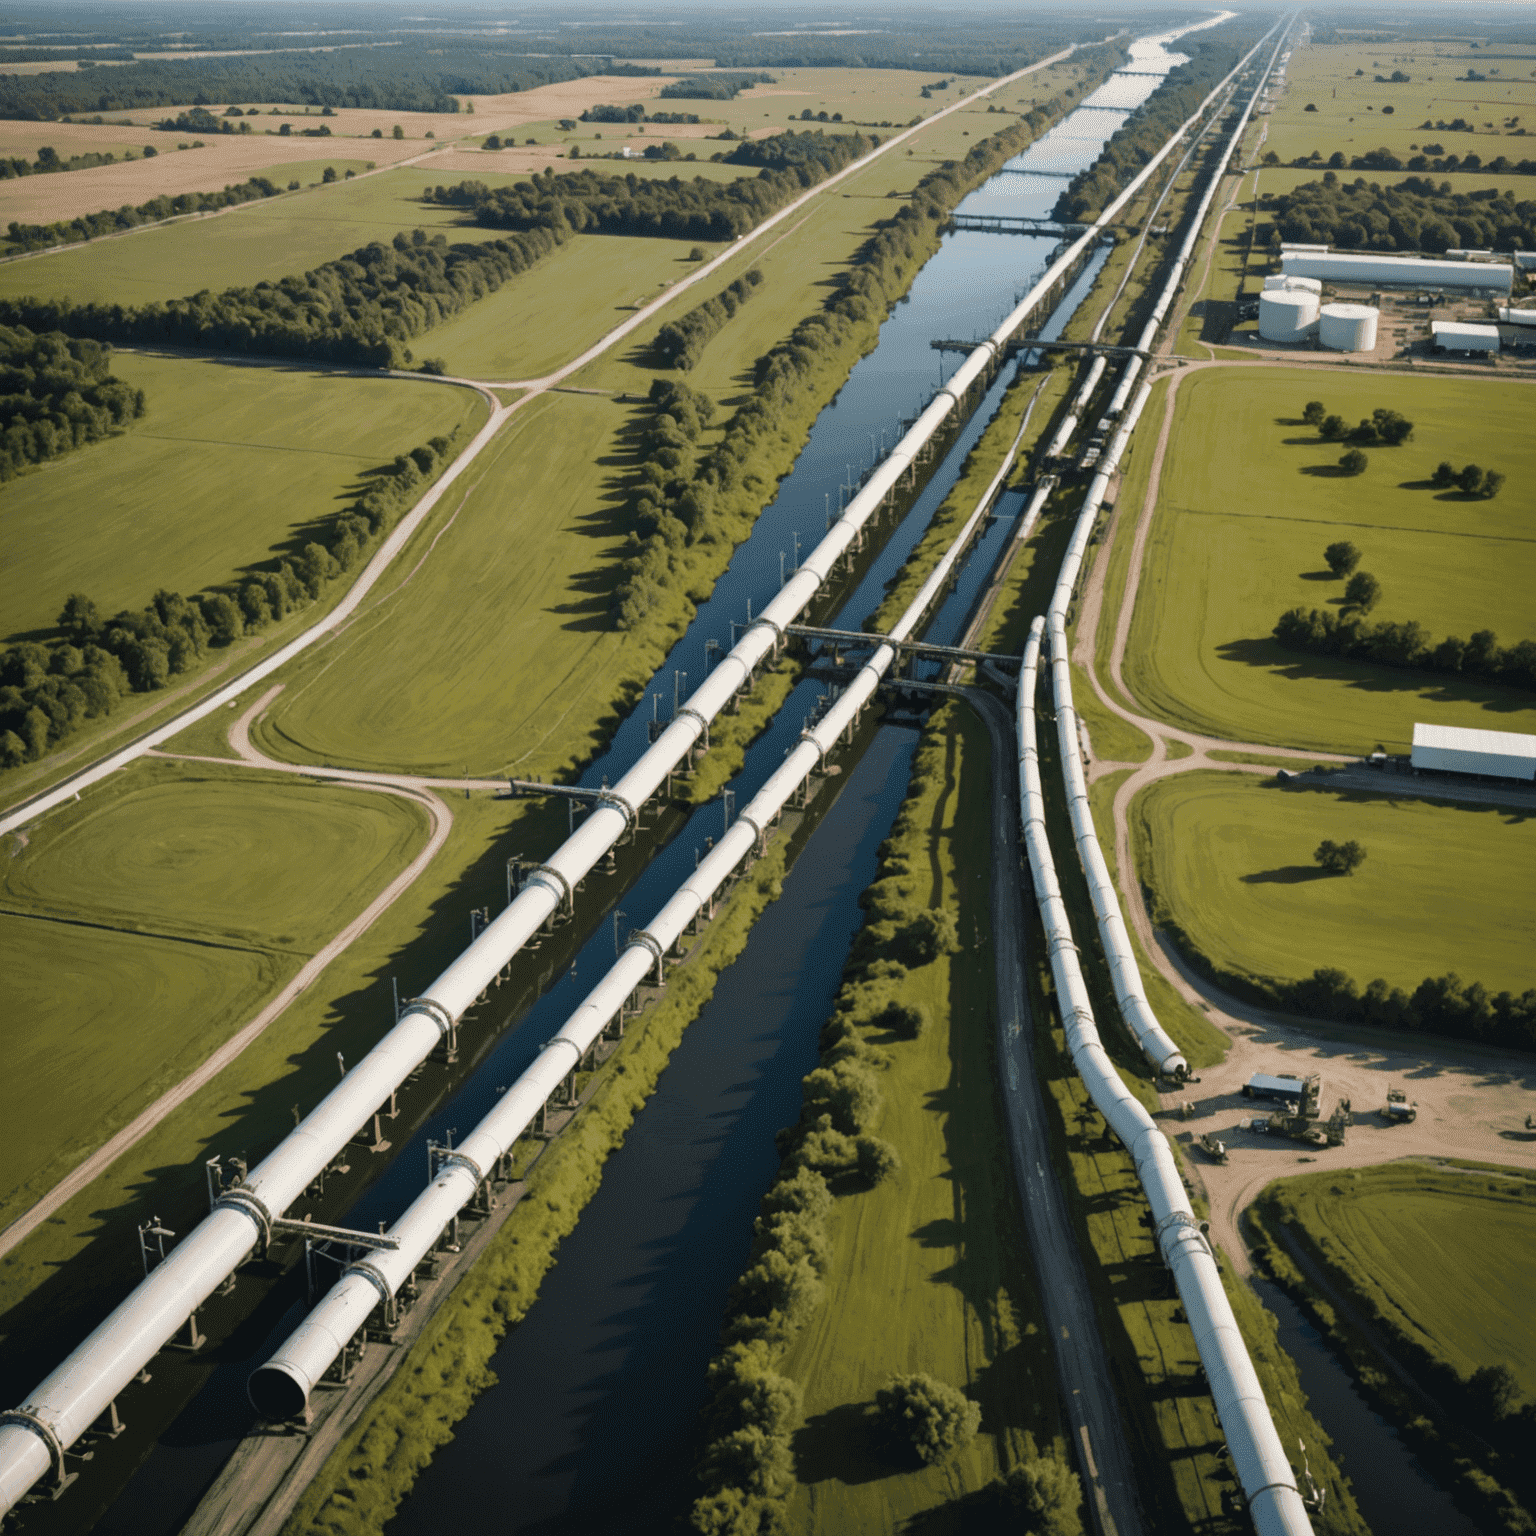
[[1415, 485], [841, 1445], [1304, 442], [1326, 471], [1288, 874], [1319, 576]]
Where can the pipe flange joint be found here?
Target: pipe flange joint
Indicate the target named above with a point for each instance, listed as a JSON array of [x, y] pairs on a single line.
[[248, 1204], [365, 1269], [761, 838], [1289, 1487], [651, 942], [692, 714], [760, 621], [548, 1045], [618, 803], [467, 1163], [566, 894], [821, 752], [435, 1011], [26, 1419]]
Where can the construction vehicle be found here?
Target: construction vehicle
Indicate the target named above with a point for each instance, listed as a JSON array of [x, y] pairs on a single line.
[[1213, 1148], [1338, 1122], [1300, 1093], [1399, 1109]]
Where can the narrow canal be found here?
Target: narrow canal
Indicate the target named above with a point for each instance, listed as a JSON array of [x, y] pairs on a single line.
[[600, 1386]]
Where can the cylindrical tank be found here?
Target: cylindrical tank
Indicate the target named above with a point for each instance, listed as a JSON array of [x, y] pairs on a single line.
[[1286, 316], [1348, 327], [1292, 284]]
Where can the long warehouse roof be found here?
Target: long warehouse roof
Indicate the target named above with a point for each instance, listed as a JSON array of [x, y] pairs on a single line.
[[1461, 738]]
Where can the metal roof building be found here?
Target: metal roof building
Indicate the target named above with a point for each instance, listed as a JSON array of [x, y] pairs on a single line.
[[1456, 749], [1457, 336], [1404, 271]]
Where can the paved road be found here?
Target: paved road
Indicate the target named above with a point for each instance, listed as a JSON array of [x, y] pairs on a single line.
[[1082, 1368]]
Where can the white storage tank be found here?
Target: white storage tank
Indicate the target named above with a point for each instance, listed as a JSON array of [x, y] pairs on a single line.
[[1348, 327], [1292, 284], [1286, 316]]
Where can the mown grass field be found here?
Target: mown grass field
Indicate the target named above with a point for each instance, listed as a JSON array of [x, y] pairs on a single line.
[[1440, 1255], [229, 463], [1249, 501], [929, 1271], [147, 923], [1349, 113], [1229, 858]]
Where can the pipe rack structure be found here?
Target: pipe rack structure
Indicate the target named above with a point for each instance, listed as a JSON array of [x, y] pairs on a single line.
[[35, 1436], [280, 1389], [1263, 1469]]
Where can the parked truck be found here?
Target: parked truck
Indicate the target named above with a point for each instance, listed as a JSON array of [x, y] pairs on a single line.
[[1399, 1109]]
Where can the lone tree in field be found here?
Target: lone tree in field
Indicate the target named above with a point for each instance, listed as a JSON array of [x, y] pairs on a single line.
[[925, 1419], [1444, 476], [1353, 462], [1493, 483], [1313, 413], [1470, 480], [1363, 592], [1342, 557], [1339, 858]]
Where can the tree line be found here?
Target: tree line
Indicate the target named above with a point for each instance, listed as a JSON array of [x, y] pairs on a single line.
[[747, 1470], [681, 342], [402, 79], [49, 163], [635, 113], [722, 493], [1148, 128], [714, 87], [57, 394], [1415, 215], [47, 691], [359, 310], [1433, 158], [113, 221]]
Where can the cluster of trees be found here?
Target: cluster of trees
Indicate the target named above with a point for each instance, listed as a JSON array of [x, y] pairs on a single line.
[[1147, 129], [1415, 215], [681, 342], [714, 87], [593, 202], [1439, 1005], [924, 1420], [1321, 632], [635, 113], [57, 394], [48, 163], [360, 310], [1381, 426], [403, 79], [1339, 858], [112, 221], [48, 691], [1470, 479], [1432, 158]]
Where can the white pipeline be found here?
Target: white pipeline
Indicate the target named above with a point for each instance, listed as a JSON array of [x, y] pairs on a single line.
[[1259, 1459], [72, 1397], [280, 1389]]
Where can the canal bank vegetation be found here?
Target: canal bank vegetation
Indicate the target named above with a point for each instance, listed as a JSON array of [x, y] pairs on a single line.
[[881, 1260], [1426, 1292], [1175, 1436], [376, 1464]]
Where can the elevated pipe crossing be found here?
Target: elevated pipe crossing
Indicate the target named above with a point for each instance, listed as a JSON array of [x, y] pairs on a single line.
[[280, 1389], [35, 1436]]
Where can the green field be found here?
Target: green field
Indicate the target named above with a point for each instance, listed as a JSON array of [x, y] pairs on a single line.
[[1399, 1237], [1248, 502], [1349, 115], [229, 463], [148, 923], [929, 1269], [1229, 858]]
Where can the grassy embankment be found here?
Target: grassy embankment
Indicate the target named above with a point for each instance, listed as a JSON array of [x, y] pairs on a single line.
[[137, 945], [1248, 502], [1228, 859], [375, 1465], [560, 468], [1393, 1245], [1175, 1434]]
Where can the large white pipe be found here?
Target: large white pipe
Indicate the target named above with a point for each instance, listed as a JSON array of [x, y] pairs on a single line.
[[280, 1389], [1259, 1459], [81, 1390]]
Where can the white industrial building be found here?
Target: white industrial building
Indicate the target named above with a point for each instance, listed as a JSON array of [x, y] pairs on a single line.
[[1456, 749], [1517, 316], [1459, 336], [1298, 285], [1397, 271]]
